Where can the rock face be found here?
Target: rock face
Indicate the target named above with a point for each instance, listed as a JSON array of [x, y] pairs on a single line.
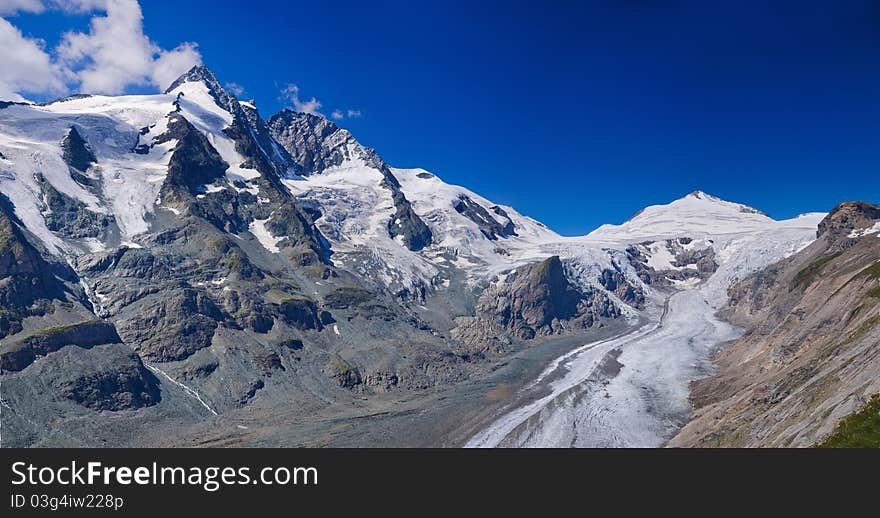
[[489, 226], [194, 164], [18, 354], [27, 282], [80, 382], [846, 217], [812, 353], [77, 152], [616, 282], [316, 144], [71, 218], [681, 259], [108, 377], [173, 327], [536, 300]]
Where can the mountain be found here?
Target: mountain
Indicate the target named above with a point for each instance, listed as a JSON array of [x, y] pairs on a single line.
[[810, 356], [177, 270], [696, 214]]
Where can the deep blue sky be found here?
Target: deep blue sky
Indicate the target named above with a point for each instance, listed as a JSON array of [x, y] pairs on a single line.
[[575, 113]]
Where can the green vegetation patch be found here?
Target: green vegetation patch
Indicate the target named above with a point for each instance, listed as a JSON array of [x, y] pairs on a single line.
[[863, 329], [806, 276], [857, 430], [872, 272], [347, 297]]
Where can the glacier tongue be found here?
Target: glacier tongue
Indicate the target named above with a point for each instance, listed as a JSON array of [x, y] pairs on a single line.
[[632, 390]]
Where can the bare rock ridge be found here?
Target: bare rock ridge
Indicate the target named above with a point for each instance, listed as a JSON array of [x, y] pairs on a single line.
[[316, 144], [810, 356], [847, 217], [536, 300], [77, 152], [252, 141], [489, 226]]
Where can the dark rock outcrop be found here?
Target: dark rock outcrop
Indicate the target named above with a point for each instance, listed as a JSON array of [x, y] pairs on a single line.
[[110, 378], [194, 163], [537, 300], [17, 355], [489, 226], [301, 313], [70, 217], [689, 263], [617, 283], [171, 326], [406, 224], [76, 151], [846, 217], [509, 227], [345, 374]]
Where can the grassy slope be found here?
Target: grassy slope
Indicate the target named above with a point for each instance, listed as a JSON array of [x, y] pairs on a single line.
[[858, 430]]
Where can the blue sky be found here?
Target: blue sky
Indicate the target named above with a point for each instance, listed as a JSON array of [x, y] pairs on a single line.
[[575, 113]]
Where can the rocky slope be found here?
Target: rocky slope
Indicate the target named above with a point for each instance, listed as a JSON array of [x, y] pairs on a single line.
[[535, 300], [812, 352]]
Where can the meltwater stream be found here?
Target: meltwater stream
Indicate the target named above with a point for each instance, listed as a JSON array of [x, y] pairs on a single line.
[[629, 391]]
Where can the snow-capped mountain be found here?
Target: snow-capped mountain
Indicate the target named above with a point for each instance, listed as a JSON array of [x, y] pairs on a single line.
[[249, 261], [696, 214]]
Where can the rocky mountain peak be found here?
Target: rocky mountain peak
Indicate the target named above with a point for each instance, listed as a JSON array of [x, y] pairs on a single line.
[[700, 195], [848, 216], [316, 143], [204, 75], [198, 73], [705, 197]]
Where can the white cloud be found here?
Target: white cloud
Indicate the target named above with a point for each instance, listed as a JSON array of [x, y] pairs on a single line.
[[25, 66], [112, 56], [8, 7], [291, 93], [235, 89], [354, 114], [116, 53], [171, 64], [337, 115]]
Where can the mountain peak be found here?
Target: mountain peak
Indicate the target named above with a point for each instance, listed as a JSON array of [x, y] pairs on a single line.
[[316, 143], [198, 73], [202, 74], [702, 196], [695, 213], [847, 217]]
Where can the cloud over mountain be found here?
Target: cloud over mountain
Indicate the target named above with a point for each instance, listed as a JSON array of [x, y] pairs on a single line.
[[112, 55]]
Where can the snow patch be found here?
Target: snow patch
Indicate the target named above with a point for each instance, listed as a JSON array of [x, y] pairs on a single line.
[[259, 230], [865, 231]]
